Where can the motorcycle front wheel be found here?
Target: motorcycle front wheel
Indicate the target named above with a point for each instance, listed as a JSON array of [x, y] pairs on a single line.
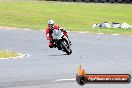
[[65, 48]]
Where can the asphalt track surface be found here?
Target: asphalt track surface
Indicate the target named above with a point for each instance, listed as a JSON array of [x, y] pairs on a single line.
[[50, 68]]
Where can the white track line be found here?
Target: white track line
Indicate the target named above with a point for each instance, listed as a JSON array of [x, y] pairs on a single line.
[[82, 32], [87, 32], [27, 29], [70, 79], [115, 34]]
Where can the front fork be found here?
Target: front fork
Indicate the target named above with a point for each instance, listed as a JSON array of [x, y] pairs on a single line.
[[59, 45]]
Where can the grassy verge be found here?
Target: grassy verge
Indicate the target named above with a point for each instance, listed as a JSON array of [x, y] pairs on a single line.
[[8, 54], [73, 16]]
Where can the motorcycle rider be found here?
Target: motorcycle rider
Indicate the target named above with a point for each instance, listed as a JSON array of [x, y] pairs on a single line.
[[49, 31]]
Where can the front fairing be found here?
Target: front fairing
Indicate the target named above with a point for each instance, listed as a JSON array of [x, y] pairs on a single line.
[[57, 34]]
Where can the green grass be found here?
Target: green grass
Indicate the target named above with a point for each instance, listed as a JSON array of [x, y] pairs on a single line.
[[8, 54], [73, 16]]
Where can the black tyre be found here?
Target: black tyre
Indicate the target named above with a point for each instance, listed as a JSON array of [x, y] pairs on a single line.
[[86, 0], [129, 80], [111, 1], [70, 0], [95, 1], [78, 0], [119, 1], [65, 48], [70, 50], [103, 1], [81, 80]]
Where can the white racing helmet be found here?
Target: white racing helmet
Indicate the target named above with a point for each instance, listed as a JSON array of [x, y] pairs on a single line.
[[50, 22]]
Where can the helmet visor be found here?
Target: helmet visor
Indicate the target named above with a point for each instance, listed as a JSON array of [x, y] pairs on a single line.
[[50, 26]]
